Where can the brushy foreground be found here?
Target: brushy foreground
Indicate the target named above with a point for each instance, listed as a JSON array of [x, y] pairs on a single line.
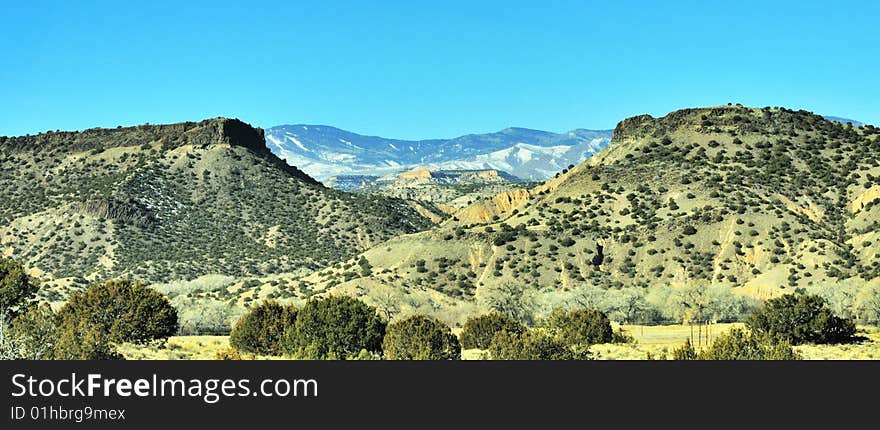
[[655, 340]]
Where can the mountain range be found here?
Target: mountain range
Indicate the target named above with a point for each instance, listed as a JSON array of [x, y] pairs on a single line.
[[324, 152]]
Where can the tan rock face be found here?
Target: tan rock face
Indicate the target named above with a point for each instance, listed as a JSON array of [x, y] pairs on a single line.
[[511, 199], [864, 198], [501, 203]]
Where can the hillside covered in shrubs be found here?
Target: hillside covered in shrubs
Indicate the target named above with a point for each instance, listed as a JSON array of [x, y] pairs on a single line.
[[745, 203], [163, 203]]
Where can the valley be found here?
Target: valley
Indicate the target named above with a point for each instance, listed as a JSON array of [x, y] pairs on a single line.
[[447, 190]]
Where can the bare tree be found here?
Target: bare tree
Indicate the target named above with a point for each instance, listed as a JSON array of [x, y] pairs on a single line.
[[867, 304], [589, 296], [386, 302], [8, 348], [511, 300]]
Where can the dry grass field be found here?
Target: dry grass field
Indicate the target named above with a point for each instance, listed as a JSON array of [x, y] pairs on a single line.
[[866, 350], [660, 340], [178, 348]]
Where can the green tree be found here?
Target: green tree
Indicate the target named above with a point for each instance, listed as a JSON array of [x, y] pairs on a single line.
[[35, 332], [420, 338], [124, 310], [17, 289], [580, 326], [81, 340], [366, 268], [334, 328], [479, 331], [261, 330], [801, 318]]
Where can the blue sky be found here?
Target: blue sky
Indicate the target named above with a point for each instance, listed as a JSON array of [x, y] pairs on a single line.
[[412, 69]]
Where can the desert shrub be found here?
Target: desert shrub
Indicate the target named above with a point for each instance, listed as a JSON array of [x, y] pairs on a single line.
[[79, 339], [479, 331], [580, 326], [621, 336], [334, 328], [228, 354], [124, 310], [261, 330], [17, 289], [366, 268], [801, 318], [420, 338], [738, 344], [35, 333], [532, 345], [685, 352]]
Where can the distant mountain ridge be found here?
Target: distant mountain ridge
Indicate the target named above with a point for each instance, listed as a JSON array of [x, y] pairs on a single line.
[[324, 151], [843, 120]]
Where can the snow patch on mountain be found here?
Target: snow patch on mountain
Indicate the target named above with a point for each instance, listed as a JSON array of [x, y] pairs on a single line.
[[298, 143], [325, 151]]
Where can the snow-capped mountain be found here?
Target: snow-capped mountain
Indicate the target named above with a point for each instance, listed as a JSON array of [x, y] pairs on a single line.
[[844, 120], [324, 152]]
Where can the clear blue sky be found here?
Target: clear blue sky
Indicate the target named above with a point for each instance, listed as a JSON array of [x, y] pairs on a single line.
[[413, 69]]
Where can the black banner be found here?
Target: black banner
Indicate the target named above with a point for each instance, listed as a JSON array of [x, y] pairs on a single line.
[[226, 394]]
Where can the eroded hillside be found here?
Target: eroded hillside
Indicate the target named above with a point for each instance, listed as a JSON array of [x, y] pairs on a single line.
[[173, 202], [762, 201]]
